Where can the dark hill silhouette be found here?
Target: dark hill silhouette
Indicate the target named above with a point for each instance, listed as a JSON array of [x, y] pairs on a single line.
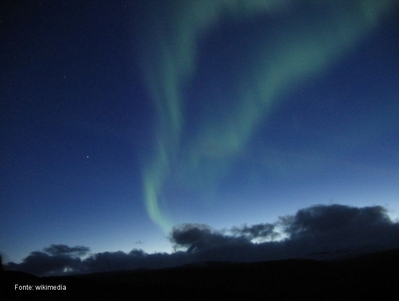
[[367, 277]]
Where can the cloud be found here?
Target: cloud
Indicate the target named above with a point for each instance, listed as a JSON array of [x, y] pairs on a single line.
[[40, 263], [316, 229], [55, 259], [197, 237], [65, 250], [325, 227], [320, 219], [258, 231]]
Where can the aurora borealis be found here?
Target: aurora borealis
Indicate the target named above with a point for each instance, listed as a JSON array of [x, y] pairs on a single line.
[[304, 46], [131, 125]]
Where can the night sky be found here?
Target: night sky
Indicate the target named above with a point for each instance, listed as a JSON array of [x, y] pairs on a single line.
[[158, 126]]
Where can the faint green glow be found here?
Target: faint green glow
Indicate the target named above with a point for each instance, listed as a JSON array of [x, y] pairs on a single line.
[[152, 202], [168, 59]]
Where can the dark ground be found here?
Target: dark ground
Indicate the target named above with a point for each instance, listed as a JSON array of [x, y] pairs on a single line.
[[369, 277]]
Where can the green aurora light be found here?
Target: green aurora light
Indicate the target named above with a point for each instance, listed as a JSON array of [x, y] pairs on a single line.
[[173, 31]]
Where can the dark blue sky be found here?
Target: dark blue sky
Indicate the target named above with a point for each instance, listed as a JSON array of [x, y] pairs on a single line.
[[121, 120]]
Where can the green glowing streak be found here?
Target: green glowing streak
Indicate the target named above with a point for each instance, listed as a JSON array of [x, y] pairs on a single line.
[[152, 203], [169, 61]]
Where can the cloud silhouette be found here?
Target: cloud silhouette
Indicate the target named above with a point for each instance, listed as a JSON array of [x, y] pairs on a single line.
[[319, 220], [258, 231], [43, 264], [311, 230], [197, 237], [338, 226], [65, 250]]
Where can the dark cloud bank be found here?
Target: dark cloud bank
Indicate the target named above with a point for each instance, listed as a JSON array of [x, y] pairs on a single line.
[[310, 232]]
